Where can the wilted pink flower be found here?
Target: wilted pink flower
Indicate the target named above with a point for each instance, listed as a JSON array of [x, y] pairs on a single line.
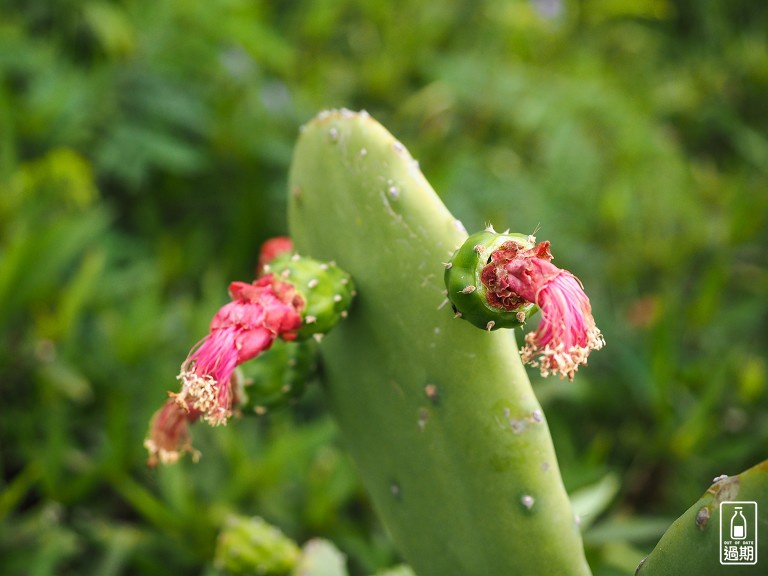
[[169, 435], [240, 330], [567, 332]]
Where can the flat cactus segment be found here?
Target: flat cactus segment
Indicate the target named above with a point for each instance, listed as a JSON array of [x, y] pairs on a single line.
[[692, 545], [438, 416]]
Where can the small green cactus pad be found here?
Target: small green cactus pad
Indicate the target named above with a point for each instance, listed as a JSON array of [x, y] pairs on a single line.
[[326, 289], [277, 377], [466, 291], [692, 545]]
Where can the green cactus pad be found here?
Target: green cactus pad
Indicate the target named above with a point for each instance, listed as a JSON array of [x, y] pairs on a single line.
[[326, 289], [691, 546], [466, 291], [439, 417]]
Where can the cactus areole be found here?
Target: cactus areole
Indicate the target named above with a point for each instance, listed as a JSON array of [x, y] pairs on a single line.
[[439, 417]]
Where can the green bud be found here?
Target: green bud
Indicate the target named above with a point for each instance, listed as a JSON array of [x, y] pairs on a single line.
[[279, 376], [466, 291], [326, 289]]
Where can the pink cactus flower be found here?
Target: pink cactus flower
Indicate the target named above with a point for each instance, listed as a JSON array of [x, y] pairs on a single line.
[[567, 332], [242, 329], [270, 250], [169, 436]]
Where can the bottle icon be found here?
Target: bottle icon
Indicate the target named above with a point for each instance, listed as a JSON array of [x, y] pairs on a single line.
[[738, 525]]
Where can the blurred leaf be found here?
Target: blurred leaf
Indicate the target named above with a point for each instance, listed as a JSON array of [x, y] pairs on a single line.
[[623, 529], [111, 26], [590, 502], [320, 558], [14, 491]]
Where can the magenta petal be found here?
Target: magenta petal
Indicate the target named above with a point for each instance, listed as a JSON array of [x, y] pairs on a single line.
[[240, 330], [251, 343], [567, 332]]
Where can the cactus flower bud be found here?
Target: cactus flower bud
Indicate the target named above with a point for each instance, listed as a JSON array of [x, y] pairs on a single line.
[[270, 250], [509, 275], [326, 290], [472, 298], [294, 298]]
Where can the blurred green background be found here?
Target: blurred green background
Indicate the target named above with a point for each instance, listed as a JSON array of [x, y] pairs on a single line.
[[144, 149]]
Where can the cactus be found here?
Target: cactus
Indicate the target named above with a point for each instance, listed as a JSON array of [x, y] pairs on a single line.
[[440, 418], [499, 280], [692, 544], [325, 289], [401, 570], [279, 377]]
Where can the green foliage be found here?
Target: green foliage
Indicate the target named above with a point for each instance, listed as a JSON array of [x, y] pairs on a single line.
[[144, 150]]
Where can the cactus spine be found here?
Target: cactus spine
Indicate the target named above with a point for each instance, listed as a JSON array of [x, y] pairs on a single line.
[[439, 417]]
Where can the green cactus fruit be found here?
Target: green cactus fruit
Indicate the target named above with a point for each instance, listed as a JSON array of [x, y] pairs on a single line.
[[279, 376], [439, 417], [326, 289], [251, 546], [693, 544], [466, 290], [320, 558]]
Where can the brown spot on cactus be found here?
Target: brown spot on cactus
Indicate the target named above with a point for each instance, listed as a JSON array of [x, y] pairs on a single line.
[[702, 517]]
